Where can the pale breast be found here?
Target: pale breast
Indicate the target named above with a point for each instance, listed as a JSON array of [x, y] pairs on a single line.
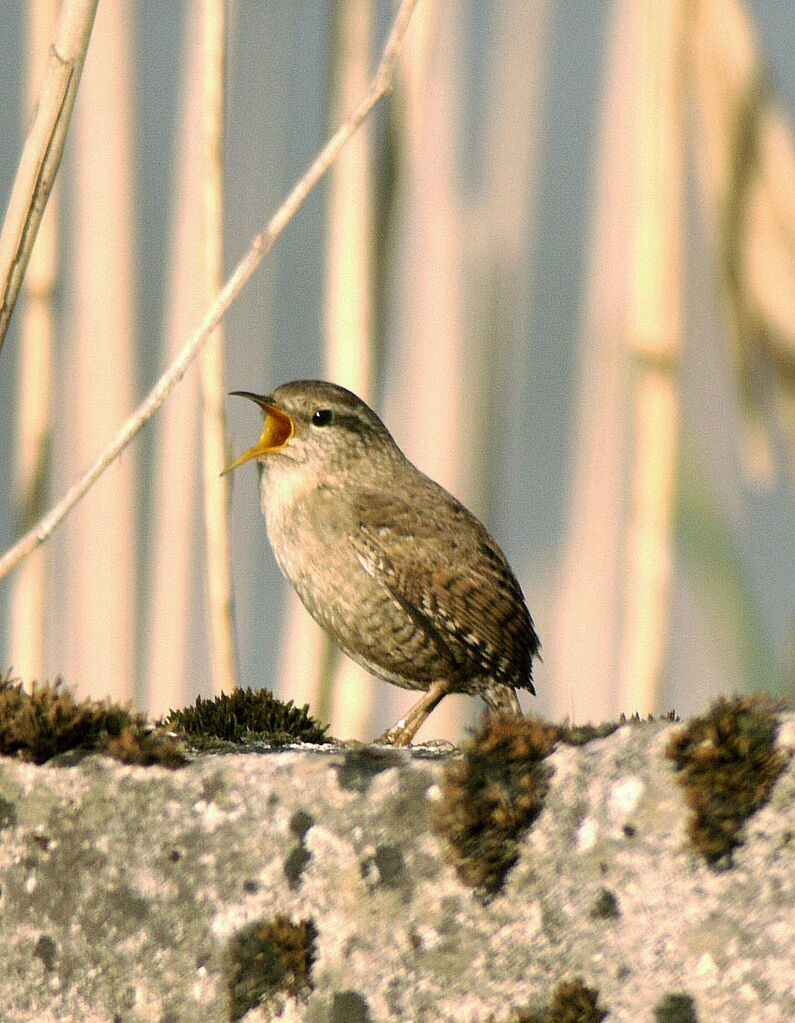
[[311, 540]]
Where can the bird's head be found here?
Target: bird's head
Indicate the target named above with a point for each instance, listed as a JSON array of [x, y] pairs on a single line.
[[318, 425]]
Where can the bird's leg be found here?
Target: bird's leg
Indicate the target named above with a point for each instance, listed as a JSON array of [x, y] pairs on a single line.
[[403, 731]]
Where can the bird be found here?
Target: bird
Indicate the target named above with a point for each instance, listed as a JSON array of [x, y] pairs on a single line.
[[407, 581]]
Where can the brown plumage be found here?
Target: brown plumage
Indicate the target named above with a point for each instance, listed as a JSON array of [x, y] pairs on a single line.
[[406, 580]]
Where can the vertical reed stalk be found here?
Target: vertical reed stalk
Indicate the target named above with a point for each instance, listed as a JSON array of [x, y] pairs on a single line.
[[619, 510], [654, 340], [99, 382], [350, 349], [173, 573], [216, 487], [29, 592], [745, 156]]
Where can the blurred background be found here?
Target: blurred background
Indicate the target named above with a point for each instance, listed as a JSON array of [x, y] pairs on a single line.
[[560, 263]]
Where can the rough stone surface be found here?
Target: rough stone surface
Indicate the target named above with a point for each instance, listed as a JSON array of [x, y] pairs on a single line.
[[121, 888]]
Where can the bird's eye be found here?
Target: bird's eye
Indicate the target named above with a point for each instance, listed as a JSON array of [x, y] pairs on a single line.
[[323, 417]]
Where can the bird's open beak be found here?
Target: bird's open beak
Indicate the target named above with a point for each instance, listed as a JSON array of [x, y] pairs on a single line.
[[278, 430]]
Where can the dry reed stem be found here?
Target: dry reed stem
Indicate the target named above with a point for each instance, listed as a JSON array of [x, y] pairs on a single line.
[[345, 697], [653, 339], [171, 574], [98, 630], [349, 353], [216, 487], [41, 155], [28, 607], [588, 617], [746, 161], [261, 245]]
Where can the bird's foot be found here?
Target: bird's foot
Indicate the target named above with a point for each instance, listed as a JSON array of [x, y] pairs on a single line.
[[397, 735], [403, 731]]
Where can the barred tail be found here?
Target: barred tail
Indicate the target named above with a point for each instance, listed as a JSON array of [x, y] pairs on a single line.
[[502, 699]]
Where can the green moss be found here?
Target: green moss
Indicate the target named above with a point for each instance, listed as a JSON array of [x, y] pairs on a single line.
[[49, 721], [579, 735], [242, 716], [572, 1002], [728, 763], [146, 745], [266, 958], [491, 796]]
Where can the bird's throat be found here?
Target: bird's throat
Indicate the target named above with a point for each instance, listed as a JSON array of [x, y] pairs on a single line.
[[276, 434]]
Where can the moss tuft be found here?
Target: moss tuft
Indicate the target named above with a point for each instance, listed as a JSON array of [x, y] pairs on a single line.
[[572, 1002], [491, 796], [142, 744], [268, 958], [245, 715], [728, 763], [49, 721], [580, 735]]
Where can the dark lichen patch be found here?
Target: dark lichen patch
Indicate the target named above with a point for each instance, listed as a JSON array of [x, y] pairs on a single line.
[[360, 766], [269, 958], [728, 762], [605, 906], [385, 867], [299, 856], [50, 722], [47, 951], [8, 814], [129, 907], [245, 716], [295, 864], [349, 1007], [390, 864], [572, 1002], [675, 1008], [300, 823], [491, 796]]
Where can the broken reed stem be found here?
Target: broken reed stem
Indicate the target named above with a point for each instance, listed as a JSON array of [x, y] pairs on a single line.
[[261, 245], [44, 145]]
